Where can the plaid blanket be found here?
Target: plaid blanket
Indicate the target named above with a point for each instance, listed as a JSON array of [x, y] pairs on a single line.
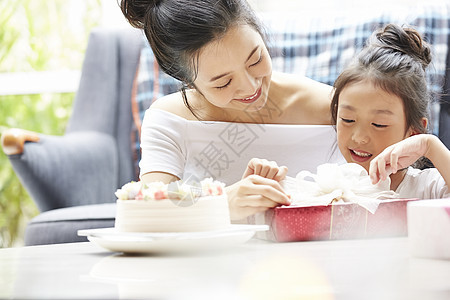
[[318, 47], [321, 50]]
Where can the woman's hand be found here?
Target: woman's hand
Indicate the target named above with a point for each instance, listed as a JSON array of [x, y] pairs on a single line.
[[254, 194], [258, 190], [266, 169], [398, 156]]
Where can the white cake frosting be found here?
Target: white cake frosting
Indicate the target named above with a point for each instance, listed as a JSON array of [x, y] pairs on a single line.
[[177, 207]]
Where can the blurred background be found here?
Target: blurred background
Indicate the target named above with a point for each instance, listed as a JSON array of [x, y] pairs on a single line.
[[42, 44]]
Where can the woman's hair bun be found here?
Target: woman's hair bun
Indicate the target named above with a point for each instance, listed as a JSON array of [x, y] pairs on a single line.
[[135, 11], [405, 40]]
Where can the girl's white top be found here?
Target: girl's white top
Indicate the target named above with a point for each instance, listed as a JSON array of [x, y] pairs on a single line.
[[221, 150], [423, 184]]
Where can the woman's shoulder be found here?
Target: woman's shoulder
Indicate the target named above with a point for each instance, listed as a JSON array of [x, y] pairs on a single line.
[[306, 99], [174, 104], [291, 80]]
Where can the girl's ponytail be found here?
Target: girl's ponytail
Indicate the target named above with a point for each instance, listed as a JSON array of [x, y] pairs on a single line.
[[404, 40]]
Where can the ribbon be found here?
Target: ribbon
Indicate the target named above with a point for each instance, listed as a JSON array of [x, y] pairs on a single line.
[[337, 183]]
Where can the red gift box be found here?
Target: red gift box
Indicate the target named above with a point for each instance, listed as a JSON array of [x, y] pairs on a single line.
[[336, 221]]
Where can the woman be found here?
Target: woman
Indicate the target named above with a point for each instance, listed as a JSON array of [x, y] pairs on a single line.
[[231, 107]]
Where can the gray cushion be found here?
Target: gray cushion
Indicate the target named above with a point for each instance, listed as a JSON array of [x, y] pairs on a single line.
[[61, 225]]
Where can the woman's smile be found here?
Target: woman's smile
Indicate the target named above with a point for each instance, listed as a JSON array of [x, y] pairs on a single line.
[[252, 98]]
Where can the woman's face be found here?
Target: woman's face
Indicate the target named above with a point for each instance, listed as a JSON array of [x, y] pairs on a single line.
[[368, 120], [234, 72]]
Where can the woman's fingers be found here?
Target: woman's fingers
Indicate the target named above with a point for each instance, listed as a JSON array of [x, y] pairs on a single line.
[[257, 191], [265, 168], [258, 201], [254, 193], [281, 174]]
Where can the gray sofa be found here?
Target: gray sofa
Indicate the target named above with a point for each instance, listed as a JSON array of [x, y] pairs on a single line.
[[72, 178]]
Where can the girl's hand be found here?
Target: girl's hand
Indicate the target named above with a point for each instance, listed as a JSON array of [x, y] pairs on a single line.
[[266, 169], [254, 194], [398, 156]]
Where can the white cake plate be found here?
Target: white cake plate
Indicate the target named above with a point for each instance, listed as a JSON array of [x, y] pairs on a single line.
[[162, 242]]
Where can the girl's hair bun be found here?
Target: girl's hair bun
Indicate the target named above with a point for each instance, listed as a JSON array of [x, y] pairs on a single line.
[[135, 11], [405, 40]]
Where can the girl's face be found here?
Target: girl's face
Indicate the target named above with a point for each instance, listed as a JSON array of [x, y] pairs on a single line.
[[234, 72], [368, 120]]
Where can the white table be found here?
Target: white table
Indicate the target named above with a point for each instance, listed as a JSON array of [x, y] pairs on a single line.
[[346, 269]]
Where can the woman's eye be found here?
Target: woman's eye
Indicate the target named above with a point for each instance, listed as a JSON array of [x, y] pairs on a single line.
[[379, 125], [224, 86], [259, 60], [347, 120]]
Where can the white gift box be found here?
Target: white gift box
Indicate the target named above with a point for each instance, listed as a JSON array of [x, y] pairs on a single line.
[[429, 228]]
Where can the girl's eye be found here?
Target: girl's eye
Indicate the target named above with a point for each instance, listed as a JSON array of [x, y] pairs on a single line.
[[347, 120], [224, 86], [379, 125], [259, 60]]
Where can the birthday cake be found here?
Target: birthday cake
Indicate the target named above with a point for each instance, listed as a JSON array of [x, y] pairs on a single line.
[[174, 207]]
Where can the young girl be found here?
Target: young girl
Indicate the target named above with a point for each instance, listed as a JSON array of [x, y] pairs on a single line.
[[380, 110]]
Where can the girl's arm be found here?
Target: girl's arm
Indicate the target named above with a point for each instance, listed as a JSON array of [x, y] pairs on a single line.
[[406, 152], [439, 155]]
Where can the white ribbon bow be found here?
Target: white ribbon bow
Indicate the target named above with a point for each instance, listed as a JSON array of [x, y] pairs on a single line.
[[334, 183]]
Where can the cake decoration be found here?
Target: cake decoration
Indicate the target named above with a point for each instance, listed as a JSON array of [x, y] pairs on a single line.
[[177, 190]]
